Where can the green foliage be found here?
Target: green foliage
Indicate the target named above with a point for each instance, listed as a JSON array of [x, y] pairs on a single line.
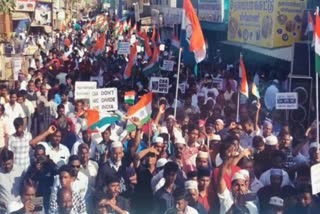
[[7, 6]]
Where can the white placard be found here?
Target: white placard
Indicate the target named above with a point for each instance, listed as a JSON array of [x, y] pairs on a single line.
[[218, 82], [167, 65], [16, 67], [182, 87], [287, 100], [124, 48], [315, 179], [104, 99], [159, 85], [83, 88]]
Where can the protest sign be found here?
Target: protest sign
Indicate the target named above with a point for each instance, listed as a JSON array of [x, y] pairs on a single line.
[[124, 48], [287, 100], [104, 99], [182, 87], [315, 179], [16, 66], [167, 65], [159, 85], [83, 88]]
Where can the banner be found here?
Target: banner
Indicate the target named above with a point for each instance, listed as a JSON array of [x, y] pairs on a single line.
[[124, 48], [315, 178], [287, 100], [42, 14], [25, 5], [159, 85], [211, 10], [266, 23], [104, 99], [83, 88]]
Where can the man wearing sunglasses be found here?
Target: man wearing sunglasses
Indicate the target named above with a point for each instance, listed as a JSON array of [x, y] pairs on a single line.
[[80, 182]]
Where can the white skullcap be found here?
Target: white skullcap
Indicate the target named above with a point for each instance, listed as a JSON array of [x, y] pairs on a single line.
[[313, 145], [220, 121], [163, 130], [204, 155], [171, 117], [245, 173], [271, 140], [201, 94], [180, 140], [216, 137], [161, 162], [276, 201], [158, 140], [191, 184], [14, 206], [116, 144], [238, 176]]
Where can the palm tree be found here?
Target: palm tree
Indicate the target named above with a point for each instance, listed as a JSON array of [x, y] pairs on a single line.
[[6, 7]]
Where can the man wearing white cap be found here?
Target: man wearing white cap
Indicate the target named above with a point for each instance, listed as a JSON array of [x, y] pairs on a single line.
[[202, 160], [114, 167], [219, 126], [276, 205], [158, 144], [191, 187], [239, 188]]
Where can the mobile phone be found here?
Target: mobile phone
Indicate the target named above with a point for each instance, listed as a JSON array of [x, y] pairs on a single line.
[[37, 201]]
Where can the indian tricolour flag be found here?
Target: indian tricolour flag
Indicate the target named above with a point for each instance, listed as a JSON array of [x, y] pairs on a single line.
[[132, 60], [244, 84], [129, 97], [317, 41], [141, 110], [153, 65], [175, 45], [194, 35]]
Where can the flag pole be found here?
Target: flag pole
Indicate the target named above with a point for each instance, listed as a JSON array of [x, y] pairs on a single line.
[[238, 106], [317, 88], [177, 84]]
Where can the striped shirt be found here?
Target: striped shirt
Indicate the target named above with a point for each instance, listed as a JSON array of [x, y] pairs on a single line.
[[21, 148]]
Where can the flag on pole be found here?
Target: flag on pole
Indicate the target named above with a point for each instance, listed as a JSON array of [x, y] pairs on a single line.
[[244, 84], [141, 110], [255, 90], [104, 122], [129, 97], [132, 60], [310, 26], [100, 44], [317, 41], [194, 34], [153, 65], [145, 38]]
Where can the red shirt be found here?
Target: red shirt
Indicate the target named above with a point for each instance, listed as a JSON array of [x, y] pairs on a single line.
[[227, 178]]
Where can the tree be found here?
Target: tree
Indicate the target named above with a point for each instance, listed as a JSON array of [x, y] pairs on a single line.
[[7, 6]]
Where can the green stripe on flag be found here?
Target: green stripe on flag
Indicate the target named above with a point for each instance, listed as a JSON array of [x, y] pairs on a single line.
[[104, 121], [317, 63]]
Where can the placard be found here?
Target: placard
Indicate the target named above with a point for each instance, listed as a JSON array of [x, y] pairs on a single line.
[[268, 24], [218, 82], [182, 87], [167, 65], [287, 100], [315, 179], [211, 10], [42, 14], [137, 12], [171, 16], [16, 66], [83, 88], [124, 48], [159, 85], [104, 99]]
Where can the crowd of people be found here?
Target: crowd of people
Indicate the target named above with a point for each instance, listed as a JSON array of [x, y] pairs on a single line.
[[202, 160]]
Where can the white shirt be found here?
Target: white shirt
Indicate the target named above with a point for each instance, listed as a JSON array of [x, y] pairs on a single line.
[[226, 201], [91, 171], [68, 108], [12, 114], [59, 157], [265, 178], [246, 139], [255, 185], [10, 184], [188, 210], [79, 185]]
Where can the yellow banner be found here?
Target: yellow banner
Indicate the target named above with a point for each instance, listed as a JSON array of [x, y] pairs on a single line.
[[266, 23]]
